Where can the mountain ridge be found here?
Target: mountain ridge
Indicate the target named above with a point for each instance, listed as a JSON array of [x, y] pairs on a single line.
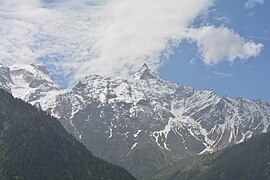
[[120, 119]]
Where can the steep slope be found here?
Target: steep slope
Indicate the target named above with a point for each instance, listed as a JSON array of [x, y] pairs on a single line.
[[146, 123], [33, 145], [249, 160]]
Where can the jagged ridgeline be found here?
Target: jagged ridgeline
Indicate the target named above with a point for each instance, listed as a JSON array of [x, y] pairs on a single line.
[[143, 123], [35, 146], [248, 161]]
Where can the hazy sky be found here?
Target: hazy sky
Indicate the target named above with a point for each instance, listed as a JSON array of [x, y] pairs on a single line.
[[212, 44]]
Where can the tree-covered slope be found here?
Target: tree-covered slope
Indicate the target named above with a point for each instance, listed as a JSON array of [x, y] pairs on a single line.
[[35, 146], [246, 161]]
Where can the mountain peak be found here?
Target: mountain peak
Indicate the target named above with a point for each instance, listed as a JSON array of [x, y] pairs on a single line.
[[144, 73], [30, 81], [33, 71], [144, 67]]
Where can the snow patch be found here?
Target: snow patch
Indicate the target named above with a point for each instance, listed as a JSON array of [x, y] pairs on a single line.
[[137, 133]]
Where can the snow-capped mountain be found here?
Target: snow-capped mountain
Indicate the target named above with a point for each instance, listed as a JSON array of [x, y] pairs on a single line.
[[32, 83], [143, 123]]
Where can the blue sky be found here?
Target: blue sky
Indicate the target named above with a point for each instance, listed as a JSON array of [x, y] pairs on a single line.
[[249, 78], [217, 45]]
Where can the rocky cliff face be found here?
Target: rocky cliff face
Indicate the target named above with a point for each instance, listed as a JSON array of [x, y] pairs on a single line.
[[143, 123]]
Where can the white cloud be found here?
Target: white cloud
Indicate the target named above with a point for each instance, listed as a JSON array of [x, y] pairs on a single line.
[[252, 3], [107, 37], [222, 44], [58, 32], [139, 31]]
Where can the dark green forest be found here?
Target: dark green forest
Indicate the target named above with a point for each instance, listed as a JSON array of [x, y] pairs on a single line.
[[249, 160], [35, 146]]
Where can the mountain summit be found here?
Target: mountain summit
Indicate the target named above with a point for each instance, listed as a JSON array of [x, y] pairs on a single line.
[[144, 73], [144, 67], [146, 123]]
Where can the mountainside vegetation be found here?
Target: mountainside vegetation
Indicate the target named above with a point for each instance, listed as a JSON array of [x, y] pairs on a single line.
[[35, 146], [249, 160]]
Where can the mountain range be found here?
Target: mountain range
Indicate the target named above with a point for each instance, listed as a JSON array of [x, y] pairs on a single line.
[[143, 123]]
